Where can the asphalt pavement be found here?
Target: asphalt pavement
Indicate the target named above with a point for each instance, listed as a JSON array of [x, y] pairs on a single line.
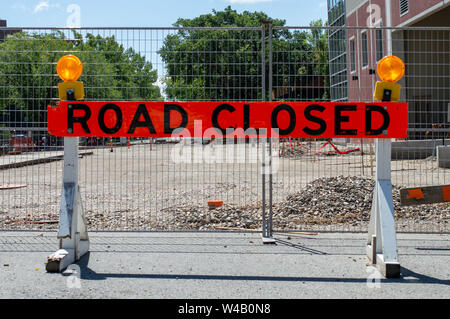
[[222, 265]]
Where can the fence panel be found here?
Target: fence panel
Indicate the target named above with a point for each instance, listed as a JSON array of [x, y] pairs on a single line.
[[327, 185], [142, 184]]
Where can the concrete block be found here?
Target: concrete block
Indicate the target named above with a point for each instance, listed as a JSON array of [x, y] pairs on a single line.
[[443, 156], [415, 149]]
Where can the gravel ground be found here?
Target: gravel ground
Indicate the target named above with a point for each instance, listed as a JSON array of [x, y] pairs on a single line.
[[141, 188], [326, 203]]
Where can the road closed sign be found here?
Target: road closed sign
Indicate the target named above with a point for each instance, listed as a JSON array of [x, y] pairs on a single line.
[[226, 119]]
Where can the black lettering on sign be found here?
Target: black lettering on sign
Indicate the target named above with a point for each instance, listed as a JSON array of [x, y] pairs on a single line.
[[78, 119], [315, 119], [215, 116], [339, 119], [386, 119], [246, 116], [184, 117], [246, 120], [292, 122], [101, 118], [147, 122]]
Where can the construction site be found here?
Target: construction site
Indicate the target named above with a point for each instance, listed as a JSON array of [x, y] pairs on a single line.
[[348, 196]]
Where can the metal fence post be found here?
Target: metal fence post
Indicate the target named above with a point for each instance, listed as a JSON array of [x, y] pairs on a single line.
[[267, 218], [263, 161], [270, 139]]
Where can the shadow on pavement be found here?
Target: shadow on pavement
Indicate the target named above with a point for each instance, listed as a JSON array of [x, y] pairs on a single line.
[[407, 277]]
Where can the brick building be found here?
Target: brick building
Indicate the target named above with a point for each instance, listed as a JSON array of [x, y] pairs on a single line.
[[4, 31], [354, 53]]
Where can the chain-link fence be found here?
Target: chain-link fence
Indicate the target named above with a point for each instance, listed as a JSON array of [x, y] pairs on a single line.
[[137, 185]]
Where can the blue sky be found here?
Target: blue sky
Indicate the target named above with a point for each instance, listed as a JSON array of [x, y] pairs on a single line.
[[147, 13]]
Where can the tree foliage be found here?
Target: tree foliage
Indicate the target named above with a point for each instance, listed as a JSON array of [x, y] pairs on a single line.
[[28, 79], [228, 64]]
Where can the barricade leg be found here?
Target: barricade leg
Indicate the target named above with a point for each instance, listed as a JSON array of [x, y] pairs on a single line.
[[72, 232], [382, 243]]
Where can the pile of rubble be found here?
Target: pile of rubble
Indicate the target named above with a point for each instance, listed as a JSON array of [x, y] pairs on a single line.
[[290, 150], [346, 200], [325, 202]]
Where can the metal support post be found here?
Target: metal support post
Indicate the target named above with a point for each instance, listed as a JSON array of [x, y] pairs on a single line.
[[382, 243], [72, 232], [381, 246], [263, 182], [269, 238], [267, 218]]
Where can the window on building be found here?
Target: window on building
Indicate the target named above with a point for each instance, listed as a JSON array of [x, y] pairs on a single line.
[[338, 61], [379, 44], [365, 49], [352, 55], [404, 7]]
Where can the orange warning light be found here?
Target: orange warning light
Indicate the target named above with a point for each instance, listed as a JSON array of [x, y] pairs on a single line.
[[391, 69], [69, 68]]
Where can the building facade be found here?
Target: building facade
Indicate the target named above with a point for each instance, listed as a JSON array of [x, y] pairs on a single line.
[[425, 51], [337, 50], [4, 31]]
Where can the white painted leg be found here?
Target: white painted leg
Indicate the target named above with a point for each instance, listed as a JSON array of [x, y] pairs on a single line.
[[72, 232], [382, 243]]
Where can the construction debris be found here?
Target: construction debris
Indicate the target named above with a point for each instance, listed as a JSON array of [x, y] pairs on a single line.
[[341, 202], [12, 186]]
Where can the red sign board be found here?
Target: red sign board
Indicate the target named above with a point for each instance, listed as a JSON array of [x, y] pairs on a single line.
[[207, 119]]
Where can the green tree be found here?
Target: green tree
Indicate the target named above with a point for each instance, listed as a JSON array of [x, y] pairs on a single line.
[[300, 64], [220, 64], [215, 64], [133, 77], [26, 75], [320, 58], [28, 79]]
